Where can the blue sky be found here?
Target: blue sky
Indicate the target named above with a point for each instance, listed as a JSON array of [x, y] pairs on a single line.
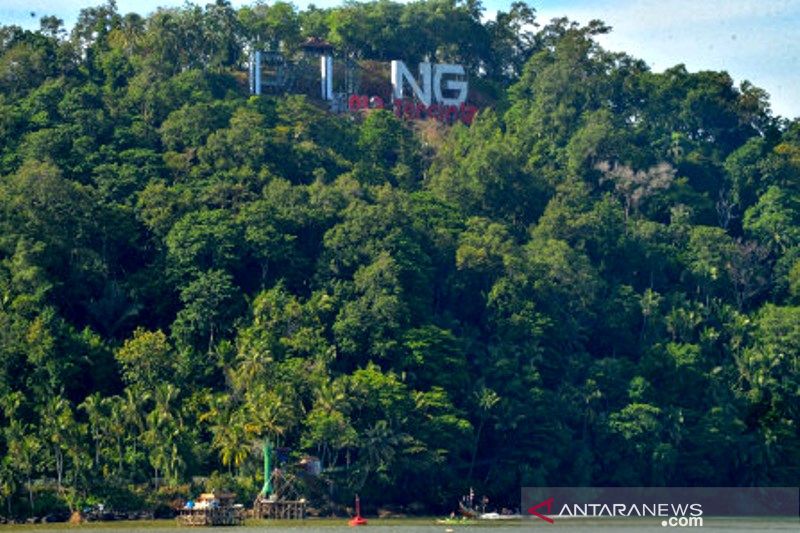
[[755, 40]]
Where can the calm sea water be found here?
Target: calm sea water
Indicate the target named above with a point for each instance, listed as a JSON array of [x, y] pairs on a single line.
[[423, 526]]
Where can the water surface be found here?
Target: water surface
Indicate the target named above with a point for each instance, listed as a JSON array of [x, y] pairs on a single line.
[[421, 525]]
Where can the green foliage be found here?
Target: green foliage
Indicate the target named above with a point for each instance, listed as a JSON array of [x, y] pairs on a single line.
[[593, 284], [146, 359]]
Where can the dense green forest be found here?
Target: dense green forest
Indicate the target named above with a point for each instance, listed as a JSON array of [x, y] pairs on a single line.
[[596, 283]]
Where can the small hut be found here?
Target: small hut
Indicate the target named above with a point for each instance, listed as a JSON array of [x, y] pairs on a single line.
[[212, 509]]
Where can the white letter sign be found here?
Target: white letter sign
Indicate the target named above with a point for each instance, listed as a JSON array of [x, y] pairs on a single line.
[[449, 85], [400, 73]]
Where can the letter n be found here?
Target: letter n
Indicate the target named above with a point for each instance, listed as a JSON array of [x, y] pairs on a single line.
[[401, 74]]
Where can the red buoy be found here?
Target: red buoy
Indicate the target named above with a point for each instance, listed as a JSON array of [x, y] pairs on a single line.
[[358, 520]]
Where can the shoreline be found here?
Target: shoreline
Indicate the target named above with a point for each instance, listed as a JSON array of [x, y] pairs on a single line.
[[426, 521]]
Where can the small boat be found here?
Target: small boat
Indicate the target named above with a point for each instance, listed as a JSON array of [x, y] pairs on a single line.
[[468, 512], [497, 516], [456, 521], [474, 514]]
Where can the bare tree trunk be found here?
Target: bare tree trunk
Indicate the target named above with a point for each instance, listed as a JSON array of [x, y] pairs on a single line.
[[59, 467], [475, 449], [119, 457], [30, 493]]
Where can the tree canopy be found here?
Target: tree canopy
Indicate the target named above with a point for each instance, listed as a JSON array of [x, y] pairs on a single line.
[[597, 282]]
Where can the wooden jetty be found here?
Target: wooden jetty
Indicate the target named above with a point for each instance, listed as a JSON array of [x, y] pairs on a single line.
[[281, 498], [279, 509]]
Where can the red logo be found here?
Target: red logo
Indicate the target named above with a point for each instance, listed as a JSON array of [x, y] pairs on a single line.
[[548, 503]]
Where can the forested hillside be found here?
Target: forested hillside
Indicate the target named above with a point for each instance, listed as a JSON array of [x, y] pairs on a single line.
[[598, 282]]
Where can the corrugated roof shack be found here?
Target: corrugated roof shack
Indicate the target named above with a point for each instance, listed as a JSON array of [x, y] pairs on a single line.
[[282, 501], [282, 497], [212, 509]]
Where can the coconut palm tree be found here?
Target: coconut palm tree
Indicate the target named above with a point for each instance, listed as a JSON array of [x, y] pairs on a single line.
[[60, 431], [93, 406], [164, 427], [377, 450], [24, 446], [8, 481], [117, 430], [231, 438]]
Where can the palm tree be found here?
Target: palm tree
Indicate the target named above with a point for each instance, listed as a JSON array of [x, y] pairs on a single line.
[[486, 399], [130, 33], [115, 406], [8, 481], [331, 396], [131, 407], [252, 366], [164, 426], [79, 457], [231, 438], [93, 407], [24, 446], [378, 448], [331, 402], [268, 412], [58, 428]]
